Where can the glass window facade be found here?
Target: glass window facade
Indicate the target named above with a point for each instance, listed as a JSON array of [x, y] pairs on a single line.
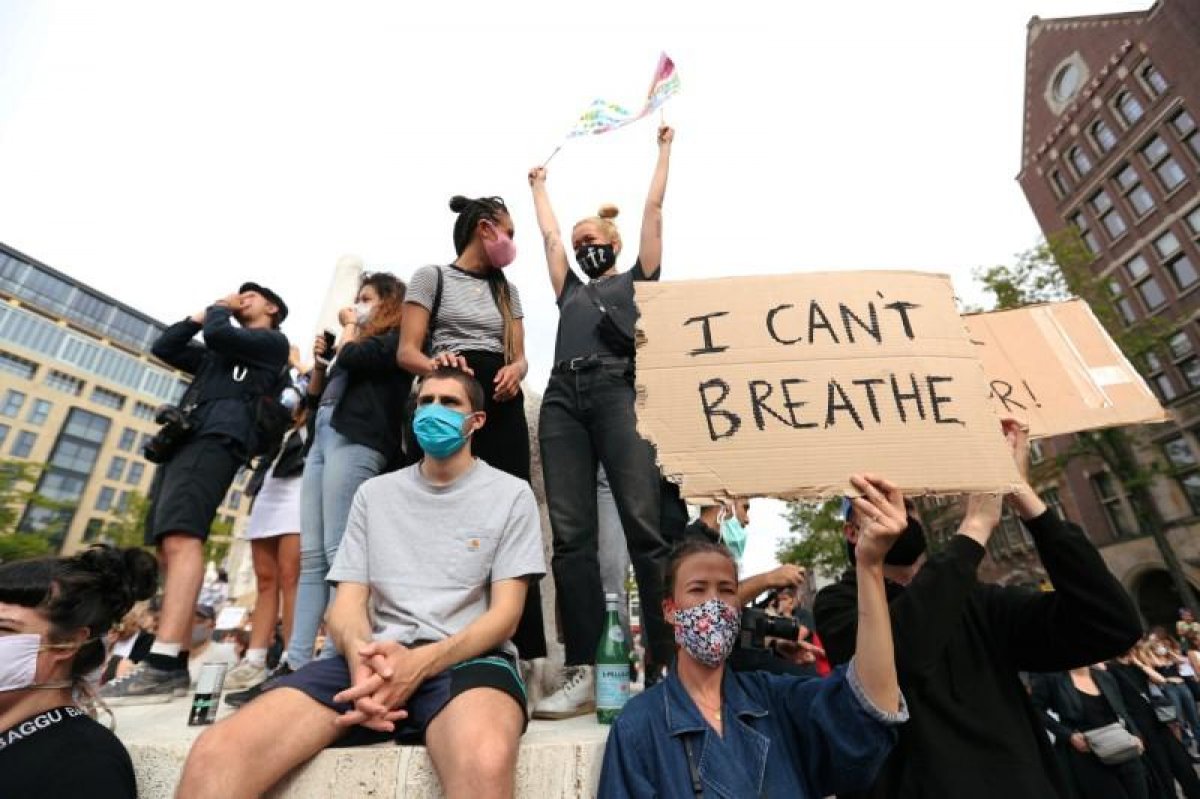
[[38, 412], [13, 402], [16, 365], [63, 481], [23, 444]]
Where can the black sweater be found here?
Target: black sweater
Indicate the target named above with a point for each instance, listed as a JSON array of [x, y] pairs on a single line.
[[959, 647], [371, 412]]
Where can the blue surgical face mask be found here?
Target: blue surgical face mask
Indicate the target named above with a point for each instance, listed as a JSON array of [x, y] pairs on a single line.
[[439, 430], [734, 536]]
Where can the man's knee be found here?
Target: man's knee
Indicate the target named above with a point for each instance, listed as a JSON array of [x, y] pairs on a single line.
[[215, 748], [174, 546]]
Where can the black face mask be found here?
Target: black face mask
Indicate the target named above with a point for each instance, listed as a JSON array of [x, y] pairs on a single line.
[[595, 259]]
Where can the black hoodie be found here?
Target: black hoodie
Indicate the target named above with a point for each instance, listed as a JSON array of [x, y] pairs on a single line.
[[960, 644]]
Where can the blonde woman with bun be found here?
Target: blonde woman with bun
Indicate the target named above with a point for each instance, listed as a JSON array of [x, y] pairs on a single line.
[[587, 417]]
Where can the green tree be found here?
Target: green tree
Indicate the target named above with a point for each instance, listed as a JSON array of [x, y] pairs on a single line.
[[17, 481], [220, 536], [128, 527], [1060, 268], [817, 541]]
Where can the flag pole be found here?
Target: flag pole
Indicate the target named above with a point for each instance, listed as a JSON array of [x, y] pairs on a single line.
[[556, 149]]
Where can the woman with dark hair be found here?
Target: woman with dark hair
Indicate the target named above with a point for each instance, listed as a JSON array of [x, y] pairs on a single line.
[[1080, 708], [707, 730], [588, 417], [54, 616], [356, 398], [468, 315]]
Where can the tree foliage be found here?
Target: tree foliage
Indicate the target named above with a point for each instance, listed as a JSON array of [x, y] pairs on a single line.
[[128, 527], [816, 541]]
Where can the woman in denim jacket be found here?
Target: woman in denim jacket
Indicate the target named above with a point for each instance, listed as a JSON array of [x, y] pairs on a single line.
[[707, 731]]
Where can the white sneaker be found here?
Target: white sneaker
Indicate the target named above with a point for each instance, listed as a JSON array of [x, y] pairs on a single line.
[[244, 675], [575, 697]]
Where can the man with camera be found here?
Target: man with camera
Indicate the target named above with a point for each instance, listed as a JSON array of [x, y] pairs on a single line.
[[201, 446]]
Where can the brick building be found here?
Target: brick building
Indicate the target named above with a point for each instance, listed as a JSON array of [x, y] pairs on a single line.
[[1111, 147]]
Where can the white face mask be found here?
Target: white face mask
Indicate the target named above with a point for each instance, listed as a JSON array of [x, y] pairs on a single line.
[[18, 662], [362, 312]]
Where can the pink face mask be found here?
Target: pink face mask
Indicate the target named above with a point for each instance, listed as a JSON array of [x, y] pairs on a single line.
[[502, 250]]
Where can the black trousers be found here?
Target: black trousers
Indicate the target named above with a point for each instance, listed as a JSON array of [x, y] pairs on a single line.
[[1098, 781], [1167, 758], [503, 443], [588, 416]]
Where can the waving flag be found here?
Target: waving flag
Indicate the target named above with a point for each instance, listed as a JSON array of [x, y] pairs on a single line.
[[603, 116]]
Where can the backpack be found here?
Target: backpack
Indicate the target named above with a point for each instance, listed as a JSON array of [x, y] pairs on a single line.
[[427, 348]]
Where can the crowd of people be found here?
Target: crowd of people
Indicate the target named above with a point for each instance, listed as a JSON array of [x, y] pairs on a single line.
[[397, 550]]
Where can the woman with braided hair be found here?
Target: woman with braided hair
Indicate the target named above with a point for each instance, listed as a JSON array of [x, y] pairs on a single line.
[[466, 314], [54, 616]]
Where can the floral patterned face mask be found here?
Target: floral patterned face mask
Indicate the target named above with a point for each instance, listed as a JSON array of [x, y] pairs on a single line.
[[708, 631]]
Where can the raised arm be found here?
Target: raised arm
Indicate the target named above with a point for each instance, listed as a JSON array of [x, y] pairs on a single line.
[[650, 248], [780, 577], [176, 348], [556, 253], [268, 348], [881, 518]]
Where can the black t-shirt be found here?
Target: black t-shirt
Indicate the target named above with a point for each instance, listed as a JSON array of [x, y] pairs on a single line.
[[578, 315], [63, 753], [1097, 712]]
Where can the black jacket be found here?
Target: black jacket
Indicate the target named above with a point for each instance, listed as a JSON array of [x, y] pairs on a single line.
[[960, 644], [371, 412], [232, 369], [1056, 692]]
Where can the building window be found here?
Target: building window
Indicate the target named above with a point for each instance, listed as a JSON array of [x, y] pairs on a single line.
[[109, 399], [1114, 508], [1179, 345], [1183, 271], [1123, 303], [86, 425], [1166, 245], [16, 365], [1190, 369], [235, 500], [60, 381], [23, 444], [1159, 378], [104, 501], [1153, 80], [13, 402], [1155, 150], [1166, 168], [1193, 221], [1103, 136], [128, 439], [116, 468], [1059, 184], [135, 473], [1185, 128], [1135, 193], [144, 441], [78, 445], [4, 431], [93, 530], [1079, 160], [1109, 216], [143, 411], [1129, 108], [1086, 234], [1054, 502], [1146, 284], [123, 502], [38, 412], [1185, 468]]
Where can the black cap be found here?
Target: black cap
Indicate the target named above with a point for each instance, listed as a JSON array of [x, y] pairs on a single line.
[[270, 296]]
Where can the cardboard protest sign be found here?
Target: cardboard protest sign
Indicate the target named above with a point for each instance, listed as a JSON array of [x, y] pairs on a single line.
[[786, 385], [1055, 368]]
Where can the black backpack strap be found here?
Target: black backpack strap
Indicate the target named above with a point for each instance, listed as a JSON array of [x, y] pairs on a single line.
[[437, 298]]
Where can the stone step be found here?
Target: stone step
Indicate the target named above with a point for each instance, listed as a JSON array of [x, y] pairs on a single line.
[[558, 759]]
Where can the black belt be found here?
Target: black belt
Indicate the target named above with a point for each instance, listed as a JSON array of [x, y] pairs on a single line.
[[586, 363]]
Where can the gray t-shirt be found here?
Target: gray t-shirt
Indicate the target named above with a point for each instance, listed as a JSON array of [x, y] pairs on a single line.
[[429, 553], [578, 315], [468, 319]]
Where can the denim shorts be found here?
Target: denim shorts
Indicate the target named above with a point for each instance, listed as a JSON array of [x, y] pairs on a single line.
[[321, 680]]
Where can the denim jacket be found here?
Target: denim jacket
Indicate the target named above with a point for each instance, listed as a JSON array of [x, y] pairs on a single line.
[[784, 736]]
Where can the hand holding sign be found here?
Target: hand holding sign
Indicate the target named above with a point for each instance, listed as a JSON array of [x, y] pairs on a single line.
[[880, 517]]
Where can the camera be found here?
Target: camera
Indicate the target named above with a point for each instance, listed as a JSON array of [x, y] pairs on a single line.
[[176, 427], [757, 626]]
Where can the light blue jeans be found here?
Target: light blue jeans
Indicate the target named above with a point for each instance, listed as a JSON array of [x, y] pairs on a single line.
[[333, 471]]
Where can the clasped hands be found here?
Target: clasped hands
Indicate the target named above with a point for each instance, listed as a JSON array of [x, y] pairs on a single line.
[[386, 674]]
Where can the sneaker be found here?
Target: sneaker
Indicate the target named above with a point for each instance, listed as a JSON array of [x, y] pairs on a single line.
[[146, 685], [575, 697], [244, 675], [239, 698]]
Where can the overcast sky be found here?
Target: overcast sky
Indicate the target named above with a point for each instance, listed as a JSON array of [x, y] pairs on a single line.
[[163, 152]]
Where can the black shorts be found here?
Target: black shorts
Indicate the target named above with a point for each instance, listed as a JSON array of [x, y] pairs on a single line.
[[188, 489], [322, 679]]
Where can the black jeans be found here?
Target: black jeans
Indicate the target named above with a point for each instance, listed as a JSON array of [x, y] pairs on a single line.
[[588, 416]]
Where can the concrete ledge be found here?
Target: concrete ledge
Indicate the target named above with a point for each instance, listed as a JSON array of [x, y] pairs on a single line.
[[558, 759]]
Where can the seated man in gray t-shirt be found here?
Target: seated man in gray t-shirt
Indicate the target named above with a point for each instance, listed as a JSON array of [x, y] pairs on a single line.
[[431, 578]]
